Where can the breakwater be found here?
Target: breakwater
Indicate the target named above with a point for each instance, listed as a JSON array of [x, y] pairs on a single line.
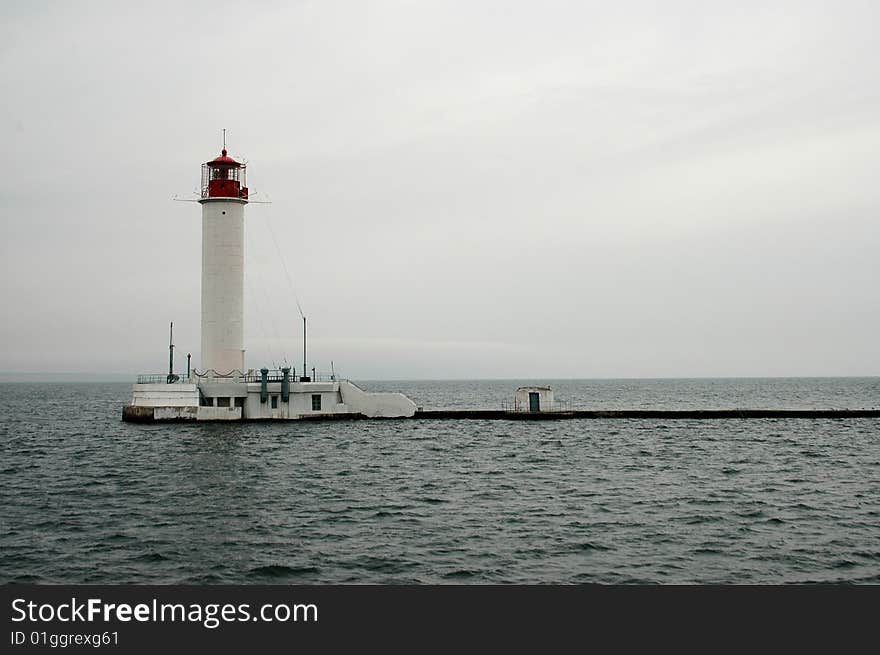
[[708, 414]]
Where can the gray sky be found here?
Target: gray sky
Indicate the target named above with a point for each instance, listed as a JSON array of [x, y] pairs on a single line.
[[460, 189]]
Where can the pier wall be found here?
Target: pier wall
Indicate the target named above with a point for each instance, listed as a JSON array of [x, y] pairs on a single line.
[[375, 405], [661, 414], [165, 395]]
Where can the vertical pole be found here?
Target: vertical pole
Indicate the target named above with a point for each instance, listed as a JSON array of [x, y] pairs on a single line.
[[188, 357], [305, 370], [171, 353]]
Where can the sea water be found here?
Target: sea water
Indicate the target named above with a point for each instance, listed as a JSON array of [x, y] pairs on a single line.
[[86, 498]]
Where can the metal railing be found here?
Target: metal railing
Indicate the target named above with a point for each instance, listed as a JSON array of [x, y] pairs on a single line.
[[251, 375], [162, 378], [545, 407], [277, 376], [324, 377]]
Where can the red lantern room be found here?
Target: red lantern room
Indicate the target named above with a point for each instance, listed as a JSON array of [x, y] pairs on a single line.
[[223, 177]]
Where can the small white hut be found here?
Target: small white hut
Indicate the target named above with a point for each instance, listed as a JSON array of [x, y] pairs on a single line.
[[533, 399]]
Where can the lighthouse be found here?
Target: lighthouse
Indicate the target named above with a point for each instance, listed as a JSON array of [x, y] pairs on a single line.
[[221, 389], [223, 196]]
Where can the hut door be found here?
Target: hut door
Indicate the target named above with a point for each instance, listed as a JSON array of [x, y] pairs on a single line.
[[534, 402]]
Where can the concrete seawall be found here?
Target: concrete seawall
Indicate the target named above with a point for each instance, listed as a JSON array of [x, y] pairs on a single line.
[[147, 414], [492, 414]]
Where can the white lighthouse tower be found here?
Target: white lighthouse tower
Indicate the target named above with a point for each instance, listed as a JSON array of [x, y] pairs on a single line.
[[221, 389], [223, 196]]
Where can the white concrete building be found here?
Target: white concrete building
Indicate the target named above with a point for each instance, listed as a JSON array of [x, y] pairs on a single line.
[[533, 399], [222, 389]]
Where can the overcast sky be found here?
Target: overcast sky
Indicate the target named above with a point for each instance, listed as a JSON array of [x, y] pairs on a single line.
[[459, 189]]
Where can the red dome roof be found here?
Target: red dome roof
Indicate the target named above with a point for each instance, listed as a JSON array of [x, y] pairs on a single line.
[[224, 159]]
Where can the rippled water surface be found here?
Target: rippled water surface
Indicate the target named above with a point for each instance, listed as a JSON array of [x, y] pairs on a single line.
[[85, 498]]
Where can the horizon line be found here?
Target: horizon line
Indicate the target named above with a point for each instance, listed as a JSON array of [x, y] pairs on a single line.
[[49, 376]]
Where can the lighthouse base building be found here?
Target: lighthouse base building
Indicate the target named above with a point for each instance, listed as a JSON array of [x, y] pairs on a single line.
[[222, 389], [236, 399]]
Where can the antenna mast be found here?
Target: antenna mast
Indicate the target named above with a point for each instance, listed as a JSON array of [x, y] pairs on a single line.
[[171, 353], [305, 370]]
